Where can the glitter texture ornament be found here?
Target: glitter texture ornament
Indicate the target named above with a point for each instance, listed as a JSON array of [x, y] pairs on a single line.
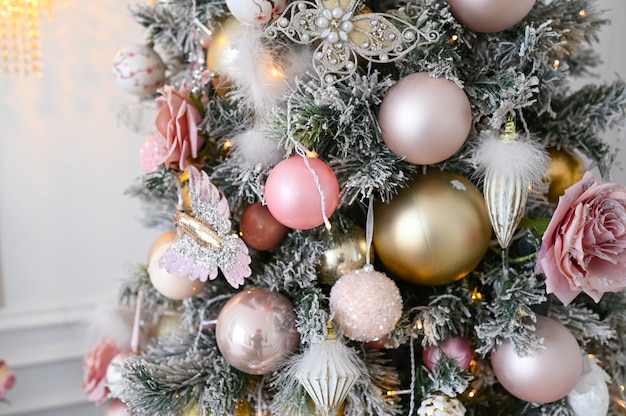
[[456, 348], [114, 378], [547, 375], [489, 16], [152, 153], [205, 240], [293, 196], [117, 408], [138, 70], [256, 330], [344, 35], [441, 405], [433, 232], [510, 165], [253, 12], [365, 304], [590, 397], [424, 119], [328, 371], [564, 170], [171, 285], [348, 252]]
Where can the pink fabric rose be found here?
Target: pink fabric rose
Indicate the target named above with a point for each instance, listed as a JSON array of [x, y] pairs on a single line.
[[95, 365], [7, 378], [584, 247], [177, 122]]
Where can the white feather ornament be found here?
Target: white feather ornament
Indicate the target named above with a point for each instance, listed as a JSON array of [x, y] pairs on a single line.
[[253, 148], [259, 74], [328, 371], [510, 166]]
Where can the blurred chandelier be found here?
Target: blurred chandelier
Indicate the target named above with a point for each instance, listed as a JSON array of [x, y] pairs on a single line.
[[20, 44]]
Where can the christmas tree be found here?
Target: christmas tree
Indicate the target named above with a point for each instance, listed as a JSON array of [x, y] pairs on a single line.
[[373, 208]]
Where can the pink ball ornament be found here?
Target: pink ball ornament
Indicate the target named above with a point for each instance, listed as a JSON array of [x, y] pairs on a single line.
[[548, 375], [256, 330], [259, 229], [169, 284], [292, 195], [424, 119], [366, 304], [138, 70], [489, 16], [152, 153], [456, 348]]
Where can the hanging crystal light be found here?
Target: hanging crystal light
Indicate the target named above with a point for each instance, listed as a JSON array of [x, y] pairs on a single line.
[[20, 44]]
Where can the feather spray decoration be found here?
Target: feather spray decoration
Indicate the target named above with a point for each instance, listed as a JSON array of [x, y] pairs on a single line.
[[510, 166], [328, 371], [205, 241]]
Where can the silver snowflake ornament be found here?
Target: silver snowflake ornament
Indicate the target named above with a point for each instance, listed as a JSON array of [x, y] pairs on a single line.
[[344, 35]]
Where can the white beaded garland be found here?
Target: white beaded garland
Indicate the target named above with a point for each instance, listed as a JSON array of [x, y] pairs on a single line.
[[365, 304]]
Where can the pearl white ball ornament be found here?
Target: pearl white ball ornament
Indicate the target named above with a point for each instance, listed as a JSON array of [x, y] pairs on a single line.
[[169, 284], [138, 70], [591, 396], [258, 12], [365, 304], [424, 119]]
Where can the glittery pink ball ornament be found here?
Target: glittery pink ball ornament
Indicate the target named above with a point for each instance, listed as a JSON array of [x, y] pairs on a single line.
[[292, 194], [138, 70], [365, 304], [456, 348], [152, 153]]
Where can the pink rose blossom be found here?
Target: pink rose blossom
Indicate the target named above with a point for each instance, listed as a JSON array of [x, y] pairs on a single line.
[[95, 365], [7, 379], [177, 121], [584, 247]]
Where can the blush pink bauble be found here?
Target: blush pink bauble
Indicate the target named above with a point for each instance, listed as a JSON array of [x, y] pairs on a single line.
[[456, 348], [548, 375], [489, 16], [424, 119], [292, 195]]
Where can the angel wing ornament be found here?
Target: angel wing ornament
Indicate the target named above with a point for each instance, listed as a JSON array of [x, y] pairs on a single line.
[[205, 241]]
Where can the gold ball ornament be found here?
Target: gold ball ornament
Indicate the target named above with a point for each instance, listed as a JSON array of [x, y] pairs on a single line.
[[243, 408], [564, 170], [347, 253], [433, 232]]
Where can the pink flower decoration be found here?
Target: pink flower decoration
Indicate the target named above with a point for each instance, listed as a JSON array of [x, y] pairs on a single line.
[[95, 365], [584, 247], [7, 378], [177, 122]]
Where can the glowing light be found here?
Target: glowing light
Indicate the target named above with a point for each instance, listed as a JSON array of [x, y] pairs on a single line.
[[471, 394], [476, 295], [454, 38], [311, 153], [19, 34], [228, 144], [419, 325], [582, 13], [556, 64]]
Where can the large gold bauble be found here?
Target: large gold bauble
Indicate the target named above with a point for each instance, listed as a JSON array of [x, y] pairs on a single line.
[[433, 232], [564, 170], [347, 253]]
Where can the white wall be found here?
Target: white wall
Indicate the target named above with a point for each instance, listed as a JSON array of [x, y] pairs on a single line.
[[66, 231]]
